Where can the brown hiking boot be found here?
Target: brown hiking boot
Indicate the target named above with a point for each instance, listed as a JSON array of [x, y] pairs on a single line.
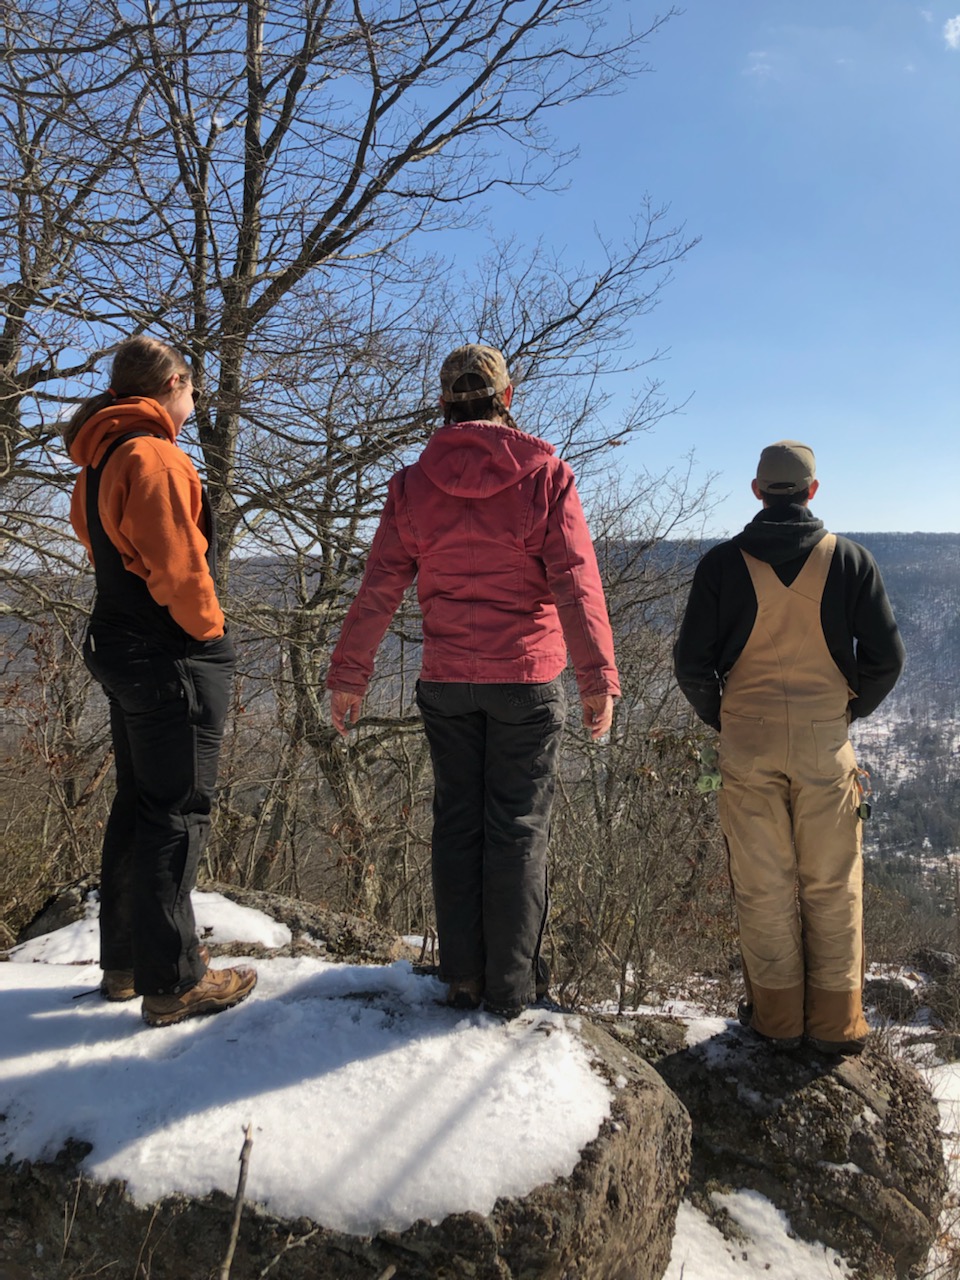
[[117, 984], [465, 993], [218, 989]]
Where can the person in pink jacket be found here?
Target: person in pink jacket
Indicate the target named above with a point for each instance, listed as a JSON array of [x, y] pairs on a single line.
[[489, 522]]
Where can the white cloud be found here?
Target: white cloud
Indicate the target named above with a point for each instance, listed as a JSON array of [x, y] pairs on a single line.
[[758, 64], [926, 15], [951, 32]]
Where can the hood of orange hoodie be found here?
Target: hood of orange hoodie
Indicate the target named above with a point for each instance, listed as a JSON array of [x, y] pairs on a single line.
[[133, 413], [479, 459]]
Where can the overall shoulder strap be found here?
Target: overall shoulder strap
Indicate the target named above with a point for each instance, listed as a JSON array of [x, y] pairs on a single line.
[[114, 445], [812, 578]]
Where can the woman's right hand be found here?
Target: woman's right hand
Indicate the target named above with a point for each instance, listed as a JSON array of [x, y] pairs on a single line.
[[344, 710], [598, 714]]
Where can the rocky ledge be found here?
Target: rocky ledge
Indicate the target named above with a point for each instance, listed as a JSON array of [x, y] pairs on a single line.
[[612, 1219], [849, 1148]]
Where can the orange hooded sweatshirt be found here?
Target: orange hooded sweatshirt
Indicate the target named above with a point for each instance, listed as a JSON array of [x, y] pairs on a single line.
[[151, 510]]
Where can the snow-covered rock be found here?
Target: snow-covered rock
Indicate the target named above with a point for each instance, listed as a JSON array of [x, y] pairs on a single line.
[[387, 1129]]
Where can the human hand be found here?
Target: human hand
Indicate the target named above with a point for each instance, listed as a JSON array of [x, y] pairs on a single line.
[[597, 714], [709, 779], [344, 710]]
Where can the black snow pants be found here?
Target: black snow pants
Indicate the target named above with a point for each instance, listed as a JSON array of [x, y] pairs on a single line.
[[168, 696], [494, 749]]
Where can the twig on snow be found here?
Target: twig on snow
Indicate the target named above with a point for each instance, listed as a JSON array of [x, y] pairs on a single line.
[[68, 1221], [238, 1202]]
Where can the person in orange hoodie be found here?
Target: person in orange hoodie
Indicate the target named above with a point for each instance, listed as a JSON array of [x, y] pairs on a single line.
[[157, 642]]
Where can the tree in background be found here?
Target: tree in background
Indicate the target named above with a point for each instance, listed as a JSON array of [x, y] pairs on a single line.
[[279, 187], [259, 183]]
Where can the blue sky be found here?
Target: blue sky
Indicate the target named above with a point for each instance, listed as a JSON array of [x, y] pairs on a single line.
[[814, 148]]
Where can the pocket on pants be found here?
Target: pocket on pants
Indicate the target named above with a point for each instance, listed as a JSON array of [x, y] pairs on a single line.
[[431, 691], [141, 677], [835, 754], [741, 743], [530, 695], [219, 650]]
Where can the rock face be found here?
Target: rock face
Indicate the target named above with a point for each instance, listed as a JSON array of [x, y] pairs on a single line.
[[891, 998], [849, 1149], [612, 1219], [65, 907], [343, 938], [339, 937]]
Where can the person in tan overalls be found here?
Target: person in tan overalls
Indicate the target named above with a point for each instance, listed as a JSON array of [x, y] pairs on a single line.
[[788, 635]]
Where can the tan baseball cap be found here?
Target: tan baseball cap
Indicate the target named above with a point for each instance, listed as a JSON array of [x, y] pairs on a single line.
[[486, 362], [786, 467]]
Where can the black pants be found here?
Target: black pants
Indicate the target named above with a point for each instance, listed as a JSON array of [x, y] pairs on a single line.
[[167, 713], [494, 749]]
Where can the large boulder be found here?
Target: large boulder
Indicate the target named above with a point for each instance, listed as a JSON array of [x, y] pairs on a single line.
[[329, 935], [333, 935], [612, 1218], [893, 998], [849, 1148]]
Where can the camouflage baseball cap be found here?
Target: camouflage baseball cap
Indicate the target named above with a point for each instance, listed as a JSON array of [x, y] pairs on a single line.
[[786, 467], [486, 362]]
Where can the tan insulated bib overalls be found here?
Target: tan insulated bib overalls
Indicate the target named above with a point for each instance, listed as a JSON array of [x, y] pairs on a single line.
[[788, 809]]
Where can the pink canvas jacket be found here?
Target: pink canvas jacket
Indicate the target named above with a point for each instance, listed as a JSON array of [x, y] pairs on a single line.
[[489, 522]]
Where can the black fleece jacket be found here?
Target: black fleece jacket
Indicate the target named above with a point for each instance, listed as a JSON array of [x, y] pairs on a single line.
[[858, 623]]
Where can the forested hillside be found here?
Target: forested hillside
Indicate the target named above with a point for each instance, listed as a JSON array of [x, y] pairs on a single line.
[[922, 576], [638, 866], [910, 745]]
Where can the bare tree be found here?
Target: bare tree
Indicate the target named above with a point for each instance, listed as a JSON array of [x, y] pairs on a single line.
[[265, 183], [71, 99], [221, 171]]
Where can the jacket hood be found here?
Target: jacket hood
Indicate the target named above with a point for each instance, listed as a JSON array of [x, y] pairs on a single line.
[[133, 413], [778, 535], [479, 459]]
